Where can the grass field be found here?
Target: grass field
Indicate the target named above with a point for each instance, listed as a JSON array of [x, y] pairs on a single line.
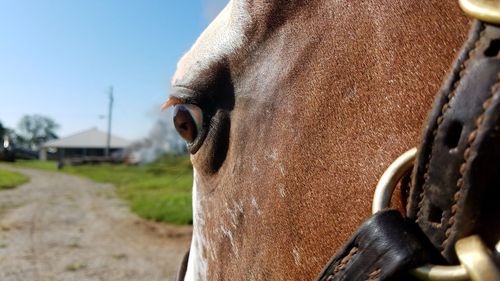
[[10, 179], [159, 191]]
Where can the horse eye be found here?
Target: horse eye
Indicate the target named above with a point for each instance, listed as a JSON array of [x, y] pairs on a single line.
[[188, 119]]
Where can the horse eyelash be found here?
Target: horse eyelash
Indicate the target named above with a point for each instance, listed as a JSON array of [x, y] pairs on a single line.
[[171, 101]]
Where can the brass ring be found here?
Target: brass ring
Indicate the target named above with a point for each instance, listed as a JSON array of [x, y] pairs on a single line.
[[382, 199], [485, 10], [390, 178]]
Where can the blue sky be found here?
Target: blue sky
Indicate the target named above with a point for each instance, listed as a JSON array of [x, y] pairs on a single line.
[[59, 57]]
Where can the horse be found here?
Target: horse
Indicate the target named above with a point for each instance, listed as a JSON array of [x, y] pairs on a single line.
[[291, 111]]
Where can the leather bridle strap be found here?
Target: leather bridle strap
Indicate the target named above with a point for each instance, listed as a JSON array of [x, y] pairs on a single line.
[[456, 179], [385, 247]]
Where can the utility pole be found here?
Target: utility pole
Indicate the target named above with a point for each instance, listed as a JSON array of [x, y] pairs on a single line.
[[110, 111]]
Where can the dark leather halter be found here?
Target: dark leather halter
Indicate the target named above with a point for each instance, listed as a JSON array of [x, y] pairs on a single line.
[[451, 229], [452, 216]]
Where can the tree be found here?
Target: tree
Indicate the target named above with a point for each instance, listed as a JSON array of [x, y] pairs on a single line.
[[2, 131], [36, 129], [5, 131]]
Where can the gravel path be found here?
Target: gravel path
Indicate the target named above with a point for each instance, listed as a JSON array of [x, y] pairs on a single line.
[[62, 227]]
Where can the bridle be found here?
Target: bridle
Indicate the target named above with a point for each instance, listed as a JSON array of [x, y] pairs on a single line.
[[471, 250], [452, 214]]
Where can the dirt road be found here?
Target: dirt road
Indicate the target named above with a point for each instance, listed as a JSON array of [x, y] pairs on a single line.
[[62, 227]]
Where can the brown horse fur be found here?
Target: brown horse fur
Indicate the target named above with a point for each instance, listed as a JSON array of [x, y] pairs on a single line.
[[308, 102]]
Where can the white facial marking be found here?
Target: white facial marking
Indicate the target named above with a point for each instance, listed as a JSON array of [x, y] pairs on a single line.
[[239, 206], [281, 190], [197, 265], [256, 206], [227, 232], [234, 218], [234, 212], [296, 255], [282, 169], [224, 35]]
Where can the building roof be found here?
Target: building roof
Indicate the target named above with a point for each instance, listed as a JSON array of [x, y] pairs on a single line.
[[92, 138]]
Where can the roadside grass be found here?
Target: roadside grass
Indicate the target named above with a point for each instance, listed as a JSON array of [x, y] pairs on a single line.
[[159, 191], [10, 179], [35, 164]]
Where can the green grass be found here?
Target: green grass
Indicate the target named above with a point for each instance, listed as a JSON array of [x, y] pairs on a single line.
[[35, 164], [159, 191], [10, 179]]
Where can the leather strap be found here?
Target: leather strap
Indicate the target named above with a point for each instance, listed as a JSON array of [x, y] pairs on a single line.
[[456, 180], [385, 247]]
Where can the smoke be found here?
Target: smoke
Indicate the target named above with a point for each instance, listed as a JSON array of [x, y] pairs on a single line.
[[211, 8], [162, 139]]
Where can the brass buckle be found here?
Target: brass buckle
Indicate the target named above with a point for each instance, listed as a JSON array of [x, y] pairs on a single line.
[[476, 263], [475, 257], [484, 10]]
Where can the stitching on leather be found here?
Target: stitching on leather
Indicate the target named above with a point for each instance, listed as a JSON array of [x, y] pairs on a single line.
[[344, 262], [374, 275], [470, 139], [439, 119]]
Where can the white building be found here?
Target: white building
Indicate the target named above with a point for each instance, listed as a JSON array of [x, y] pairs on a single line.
[[89, 143]]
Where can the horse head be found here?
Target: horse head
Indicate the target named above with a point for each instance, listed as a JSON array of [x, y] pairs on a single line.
[[291, 111]]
